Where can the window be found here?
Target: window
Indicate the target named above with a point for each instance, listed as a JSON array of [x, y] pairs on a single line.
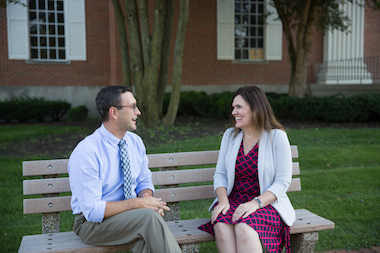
[[47, 30], [249, 30], [243, 34]]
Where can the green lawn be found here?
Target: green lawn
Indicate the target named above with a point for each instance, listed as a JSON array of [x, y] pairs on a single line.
[[340, 171]]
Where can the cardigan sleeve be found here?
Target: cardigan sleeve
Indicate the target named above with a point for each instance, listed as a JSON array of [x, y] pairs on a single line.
[[220, 177], [282, 161]]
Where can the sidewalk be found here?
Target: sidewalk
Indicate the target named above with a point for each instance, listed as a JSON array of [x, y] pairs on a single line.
[[374, 249]]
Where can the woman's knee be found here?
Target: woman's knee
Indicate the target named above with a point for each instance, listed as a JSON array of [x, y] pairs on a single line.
[[245, 233]]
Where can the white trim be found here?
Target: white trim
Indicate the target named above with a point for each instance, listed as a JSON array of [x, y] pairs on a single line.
[[75, 22], [18, 31], [273, 35], [225, 30]]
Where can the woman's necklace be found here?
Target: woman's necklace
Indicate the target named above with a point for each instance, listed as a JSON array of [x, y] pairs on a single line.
[[248, 146]]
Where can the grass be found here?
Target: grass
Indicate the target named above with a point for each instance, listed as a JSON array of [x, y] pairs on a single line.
[[339, 174]]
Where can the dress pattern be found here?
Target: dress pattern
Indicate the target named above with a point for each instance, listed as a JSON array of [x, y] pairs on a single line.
[[273, 232]]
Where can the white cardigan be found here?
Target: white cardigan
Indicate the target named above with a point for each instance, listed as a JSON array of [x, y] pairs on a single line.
[[274, 168]]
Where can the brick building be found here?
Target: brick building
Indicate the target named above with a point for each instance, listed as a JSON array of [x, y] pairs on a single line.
[[69, 49]]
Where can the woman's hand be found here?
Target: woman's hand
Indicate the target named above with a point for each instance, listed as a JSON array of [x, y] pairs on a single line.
[[245, 209], [222, 207]]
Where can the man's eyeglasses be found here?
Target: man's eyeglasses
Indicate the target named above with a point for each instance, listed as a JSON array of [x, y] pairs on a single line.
[[132, 106]]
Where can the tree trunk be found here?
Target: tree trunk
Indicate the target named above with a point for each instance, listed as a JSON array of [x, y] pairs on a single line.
[[165, 55], [126, 69], [150, 103], [137, 68], [177, 64], [298, 55]]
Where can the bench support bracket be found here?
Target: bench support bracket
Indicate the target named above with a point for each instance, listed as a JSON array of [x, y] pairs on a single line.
[[304, 243]]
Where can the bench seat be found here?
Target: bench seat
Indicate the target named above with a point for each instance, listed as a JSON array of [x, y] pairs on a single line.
[[185, 232]]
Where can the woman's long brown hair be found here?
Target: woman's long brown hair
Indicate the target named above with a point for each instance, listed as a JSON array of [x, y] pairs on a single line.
[[264, 118]]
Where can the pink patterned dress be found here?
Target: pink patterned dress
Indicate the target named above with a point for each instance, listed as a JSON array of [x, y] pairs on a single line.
[[273, 232]]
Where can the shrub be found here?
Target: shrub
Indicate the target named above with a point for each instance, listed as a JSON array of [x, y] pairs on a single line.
[[23, 109], [78, 113]]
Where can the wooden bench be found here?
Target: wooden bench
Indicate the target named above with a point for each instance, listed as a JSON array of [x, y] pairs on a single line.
[[173, 188]]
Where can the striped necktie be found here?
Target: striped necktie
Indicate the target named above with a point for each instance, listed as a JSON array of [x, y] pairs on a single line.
[[125, 168]]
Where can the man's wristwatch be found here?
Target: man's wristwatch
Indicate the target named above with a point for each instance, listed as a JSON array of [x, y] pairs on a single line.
[[258, 201]]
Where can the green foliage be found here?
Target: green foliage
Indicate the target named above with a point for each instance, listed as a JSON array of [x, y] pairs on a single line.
[[338, 108], [361, 107], [78, 113], [23, 109]]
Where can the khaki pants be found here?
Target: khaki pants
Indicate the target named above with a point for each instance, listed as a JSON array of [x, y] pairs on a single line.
[[140, 230]]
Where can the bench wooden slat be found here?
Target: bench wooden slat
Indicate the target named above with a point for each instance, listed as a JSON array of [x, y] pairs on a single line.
[[44, 167], [59, 166], [183, 158], [183, 176], [47, 205], [46, 186]]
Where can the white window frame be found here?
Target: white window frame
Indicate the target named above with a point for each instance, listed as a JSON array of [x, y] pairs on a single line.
[[75, 31], [226, 35]]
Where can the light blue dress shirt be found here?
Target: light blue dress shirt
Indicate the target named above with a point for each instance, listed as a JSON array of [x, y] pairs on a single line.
[[95, 172]]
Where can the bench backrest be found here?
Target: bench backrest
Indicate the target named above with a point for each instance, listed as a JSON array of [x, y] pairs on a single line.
[[54, 179]]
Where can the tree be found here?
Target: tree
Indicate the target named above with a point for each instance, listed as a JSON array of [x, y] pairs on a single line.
[[145, 59], [302, 16]]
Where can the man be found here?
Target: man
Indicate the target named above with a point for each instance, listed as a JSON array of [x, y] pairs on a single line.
[[111, 185]]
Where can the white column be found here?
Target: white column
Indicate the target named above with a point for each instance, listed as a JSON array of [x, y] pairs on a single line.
[[338, 45]]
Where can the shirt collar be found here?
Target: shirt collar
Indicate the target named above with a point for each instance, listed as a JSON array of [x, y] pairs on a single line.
[[112, 139]]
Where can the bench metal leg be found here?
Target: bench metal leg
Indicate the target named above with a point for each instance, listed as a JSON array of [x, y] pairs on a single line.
[[190, 248], [304, 243]]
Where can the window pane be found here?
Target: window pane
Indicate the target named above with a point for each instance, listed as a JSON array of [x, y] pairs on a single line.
[[51, 17], [237, 54], [261, 31], [43, 53], [245, 19], [51, 5], [253, 20], [59, 5], [260, 20], [238, 42], [62, 54], [253, 31], [245, 54], [32, 16], [253, 43], [52, 42], [61, 30], [42, 17], [34, 53], [42, 29], [237, 19], [41, 5], [32, 4], [33, 41], [43, 42], [53, 54], [238, 8], [51, 29], [61, 42], [260, 43], [60, 18], [33, 28]]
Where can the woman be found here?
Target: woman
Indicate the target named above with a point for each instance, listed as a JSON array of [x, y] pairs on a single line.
[[253, 173]]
